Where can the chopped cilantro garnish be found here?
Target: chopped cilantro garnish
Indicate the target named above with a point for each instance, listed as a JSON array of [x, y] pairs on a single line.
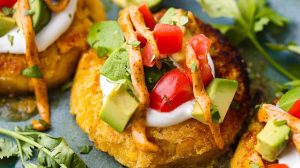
[[134, 43], [279, 122], [29, 12], [85, 149], [8, 11], [11, 39], [32, 72], [183, 20], [194, 67]]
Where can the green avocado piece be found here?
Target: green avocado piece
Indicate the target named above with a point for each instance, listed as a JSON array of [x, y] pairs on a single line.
[[116, 67], [6, 24], [169, 16], [41, 14], [221, 93], [119, 106], [289, 98], [272, 139], [126, 3], [106, 37]]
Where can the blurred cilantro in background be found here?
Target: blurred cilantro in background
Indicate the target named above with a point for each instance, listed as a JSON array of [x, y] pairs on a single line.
[[250, 17]]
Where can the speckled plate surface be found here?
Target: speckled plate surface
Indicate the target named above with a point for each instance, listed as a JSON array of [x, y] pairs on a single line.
[[263, 78]]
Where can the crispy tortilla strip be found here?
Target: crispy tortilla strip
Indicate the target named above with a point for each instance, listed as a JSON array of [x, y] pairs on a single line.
[[201, 95], [138, 81], [32, 59], [140, 26], [269, 111]]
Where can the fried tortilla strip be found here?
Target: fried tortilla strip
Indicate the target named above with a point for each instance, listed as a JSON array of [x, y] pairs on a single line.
[[57, 7], [138, 81], [269, 111], [32, 59], [201, 95], [140, 26]]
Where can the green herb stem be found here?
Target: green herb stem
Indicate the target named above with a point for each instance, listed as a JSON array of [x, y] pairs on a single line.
[[20, 151], [18, 136], [269, 58]]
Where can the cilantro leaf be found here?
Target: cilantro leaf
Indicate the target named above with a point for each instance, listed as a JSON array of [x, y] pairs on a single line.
[[32, 72], [30, 165], [106, 37], [264, 11], [281, 47], [183, 20], [27, 149], [134, 43], [222, 27], [52, 152], [116, 67], [250, 17], [61, 154], [254, 165], [85, 149], [221, 8], [7, 149], [152, 75], [8, 11], [259, 25]]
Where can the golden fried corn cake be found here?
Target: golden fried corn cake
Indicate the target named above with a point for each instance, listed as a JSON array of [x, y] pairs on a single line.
[[186, 144], [58, 62]]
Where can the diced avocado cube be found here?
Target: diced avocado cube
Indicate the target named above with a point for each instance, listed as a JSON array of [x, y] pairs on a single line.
[[272, 140], [6, 24], [119, 106], [221, 93]]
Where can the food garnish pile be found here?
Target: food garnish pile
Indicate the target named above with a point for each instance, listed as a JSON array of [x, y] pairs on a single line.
[[154, 69]]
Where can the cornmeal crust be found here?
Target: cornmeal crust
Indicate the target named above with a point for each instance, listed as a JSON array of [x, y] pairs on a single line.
[[187, 144], [59, 61]]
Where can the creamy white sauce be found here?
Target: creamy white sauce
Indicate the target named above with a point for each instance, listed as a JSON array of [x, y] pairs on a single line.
[[290, 157], [211, 64], [156, 118], [166, 119], [59, 23]]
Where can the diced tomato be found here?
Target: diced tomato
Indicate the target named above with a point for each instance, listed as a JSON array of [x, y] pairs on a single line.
[[168, 38], [277, 166], [295, 110], [141, 39], [7, 3], [201, 45], [172, 90], [147, 55], [147, 15]]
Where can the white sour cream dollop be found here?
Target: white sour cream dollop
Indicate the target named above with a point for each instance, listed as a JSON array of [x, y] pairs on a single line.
[[156, 118], [59, 23], [290, 157]]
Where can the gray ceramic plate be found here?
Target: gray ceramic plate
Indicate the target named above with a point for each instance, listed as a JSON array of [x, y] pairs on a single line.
[[262, 75]]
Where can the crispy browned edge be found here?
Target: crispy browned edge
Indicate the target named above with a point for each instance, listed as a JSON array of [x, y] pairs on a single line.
[[187, 144], [62, 56]]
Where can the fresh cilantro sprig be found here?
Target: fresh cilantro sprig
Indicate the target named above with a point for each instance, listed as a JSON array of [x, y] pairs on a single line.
[[52, 152], [250, 17]]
